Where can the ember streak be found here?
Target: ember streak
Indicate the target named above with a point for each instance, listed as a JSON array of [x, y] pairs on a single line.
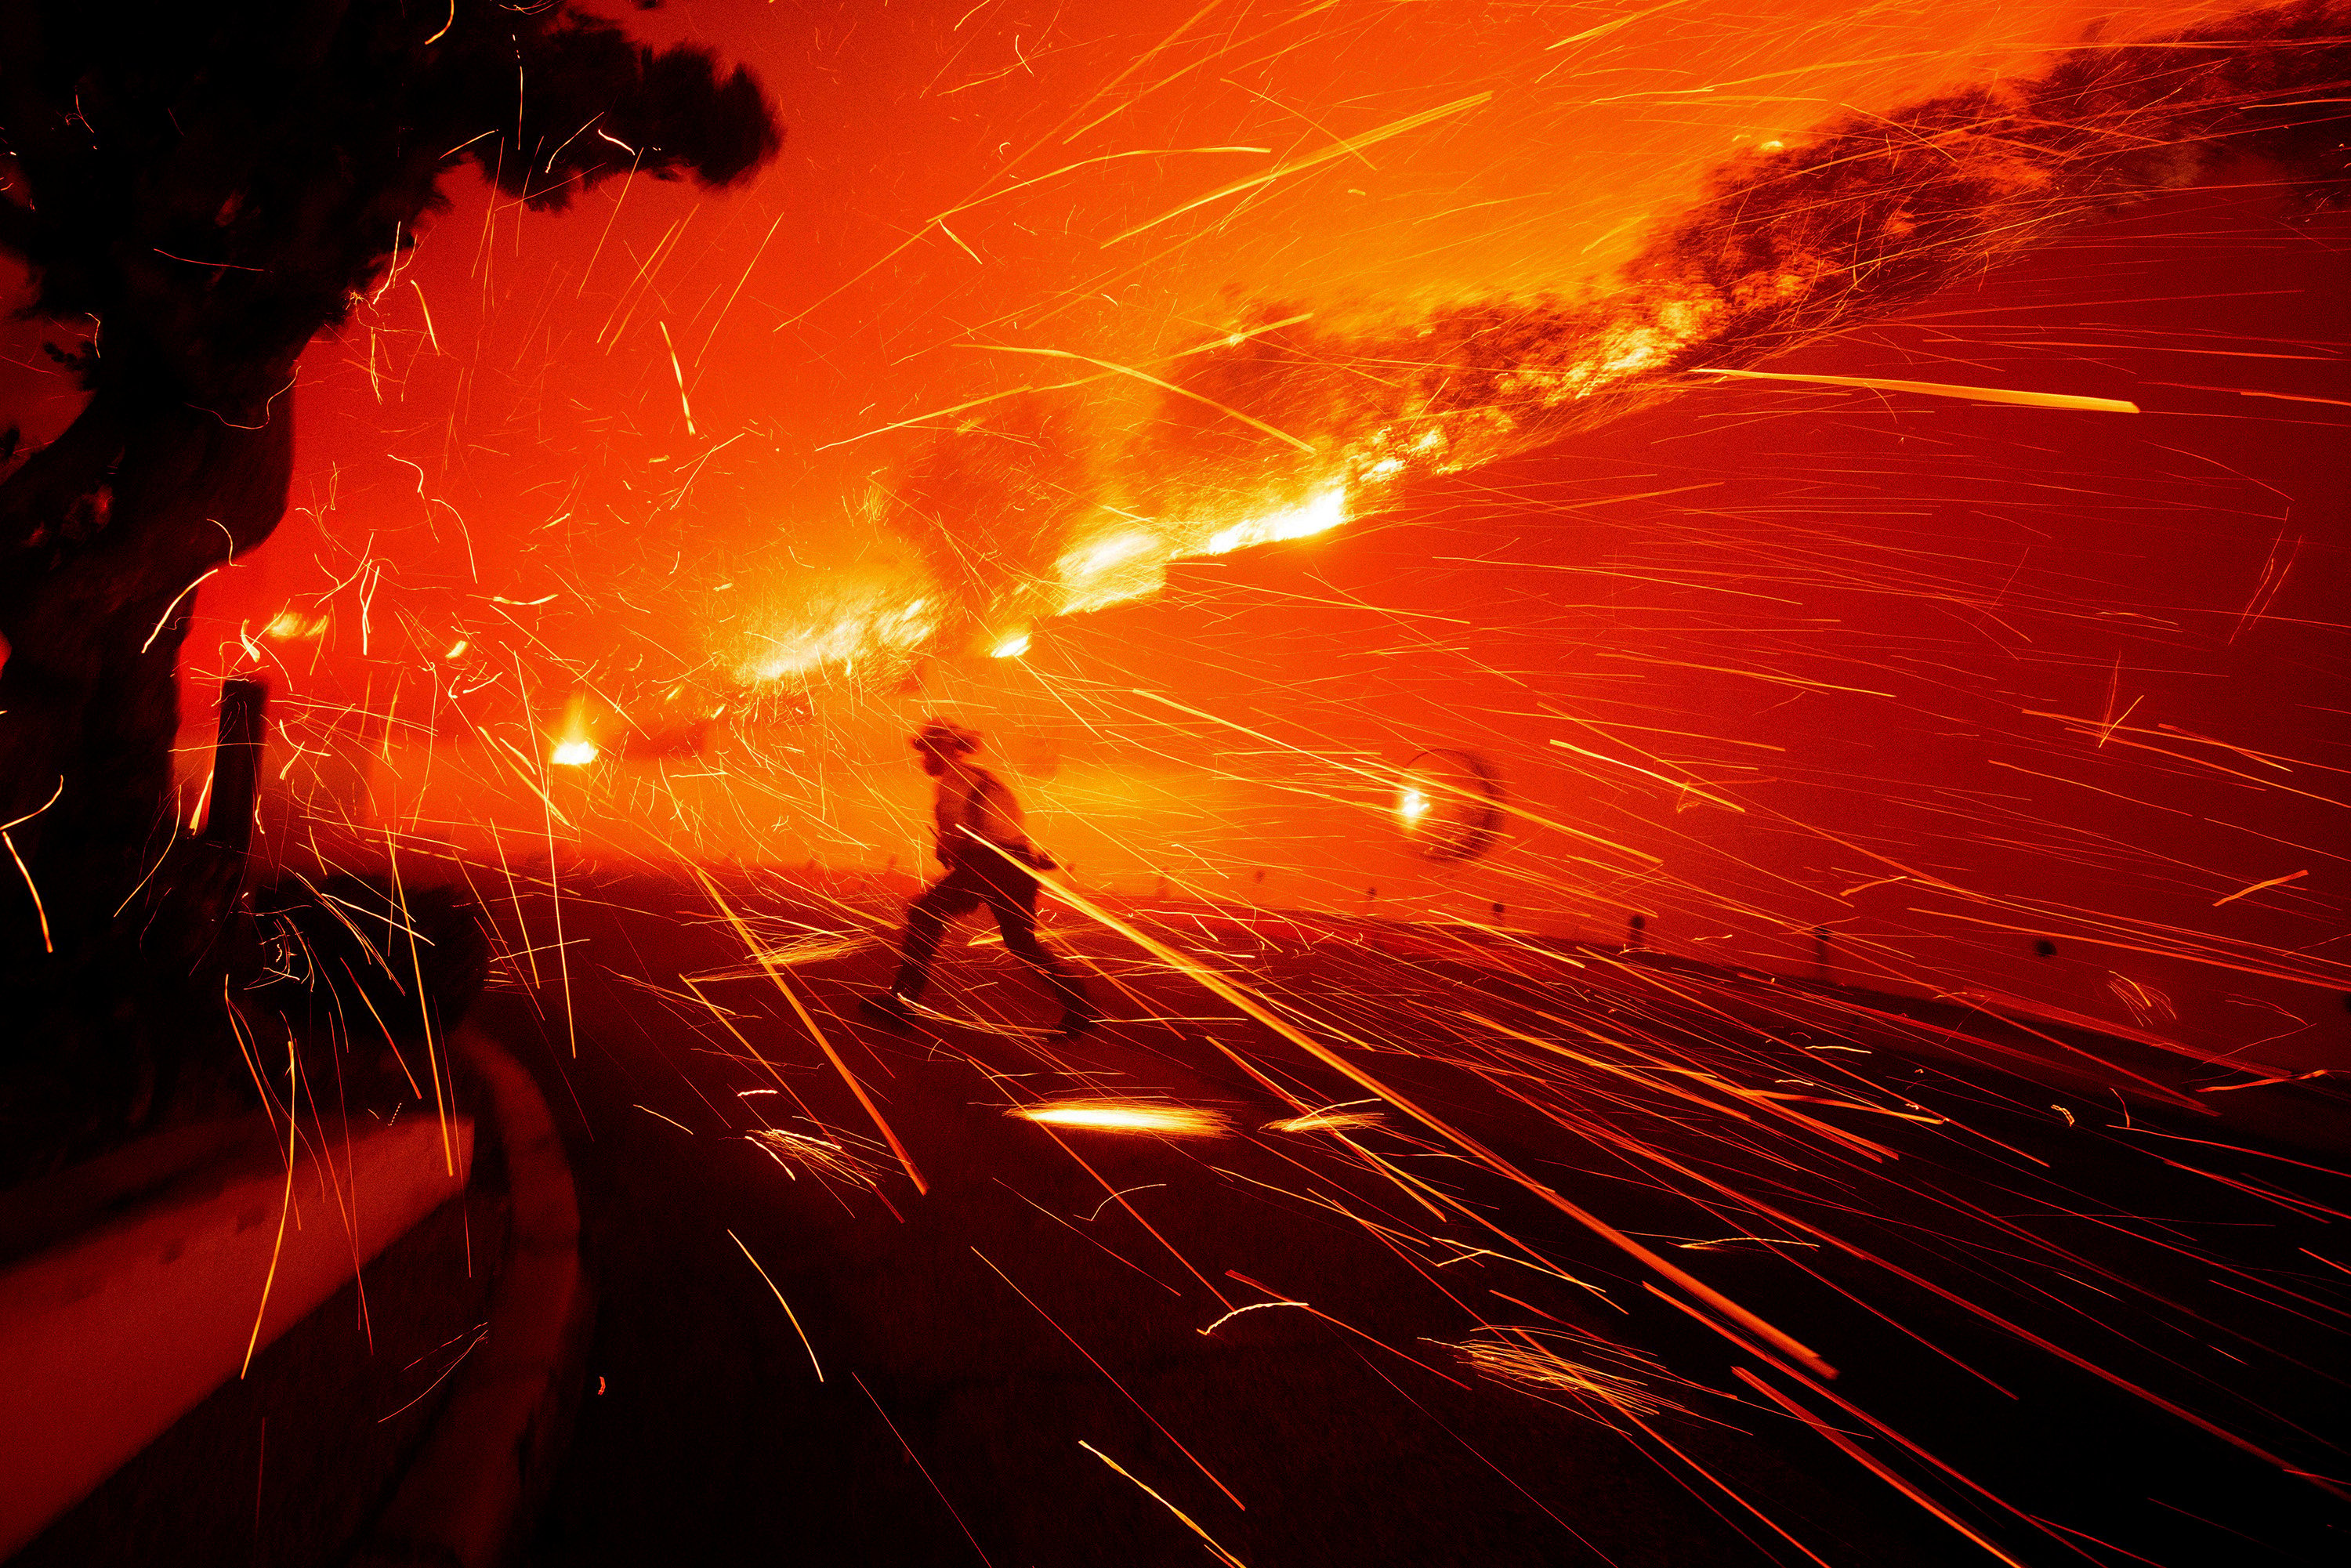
[[1685, 672]]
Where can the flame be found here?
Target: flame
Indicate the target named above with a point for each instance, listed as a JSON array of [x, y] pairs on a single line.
[[1128, 1116], [1789, 244], [574, 747], [894, 611], [846, 618], [1318, 515], [1104, 554], [1412, 805], [1132, 562], [1129, 564]]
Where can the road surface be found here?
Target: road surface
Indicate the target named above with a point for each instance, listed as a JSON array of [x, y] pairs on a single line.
[[1530, 1319]]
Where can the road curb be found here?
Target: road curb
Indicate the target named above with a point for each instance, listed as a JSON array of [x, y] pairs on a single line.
[[467, 1498]]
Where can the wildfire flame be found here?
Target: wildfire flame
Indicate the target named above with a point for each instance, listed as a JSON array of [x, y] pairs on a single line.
[[851, 618], [574, 747], [1317, 515], [1791, 243], [897, 612]]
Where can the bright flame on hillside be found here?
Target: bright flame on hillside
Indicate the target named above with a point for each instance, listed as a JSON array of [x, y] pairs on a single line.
[[873, 615], [894, 613], [1129, 564], [1318, 515], [1132, 562], [1128, 1116]]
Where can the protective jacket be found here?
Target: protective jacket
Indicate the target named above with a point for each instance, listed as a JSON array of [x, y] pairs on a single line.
[[974, 798]]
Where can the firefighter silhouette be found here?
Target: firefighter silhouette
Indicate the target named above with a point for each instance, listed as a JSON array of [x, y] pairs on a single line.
[[985, 847]]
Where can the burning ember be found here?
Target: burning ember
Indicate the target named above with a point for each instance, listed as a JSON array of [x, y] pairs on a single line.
[[1128, 1116]]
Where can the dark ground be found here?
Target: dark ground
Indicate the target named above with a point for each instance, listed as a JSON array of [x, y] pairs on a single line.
[[972, 1341]]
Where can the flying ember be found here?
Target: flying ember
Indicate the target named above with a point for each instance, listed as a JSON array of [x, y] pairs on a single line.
[[1116, 1116]]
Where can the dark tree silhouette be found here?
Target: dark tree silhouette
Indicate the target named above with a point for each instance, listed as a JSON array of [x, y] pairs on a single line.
[[203, 186]]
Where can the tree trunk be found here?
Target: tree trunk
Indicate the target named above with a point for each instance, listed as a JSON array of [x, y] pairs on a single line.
[[110, 917]]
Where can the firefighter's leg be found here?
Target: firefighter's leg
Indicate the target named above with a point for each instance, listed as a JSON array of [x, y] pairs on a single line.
[[957, 892], [1012, 895]]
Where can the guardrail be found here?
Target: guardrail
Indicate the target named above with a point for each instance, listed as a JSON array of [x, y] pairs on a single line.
[[191, 1254]]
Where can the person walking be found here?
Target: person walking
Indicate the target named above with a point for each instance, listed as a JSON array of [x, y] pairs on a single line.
[[985, 847]]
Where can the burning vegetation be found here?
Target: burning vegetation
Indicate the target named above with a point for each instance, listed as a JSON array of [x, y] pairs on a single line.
[[1288, 425]]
